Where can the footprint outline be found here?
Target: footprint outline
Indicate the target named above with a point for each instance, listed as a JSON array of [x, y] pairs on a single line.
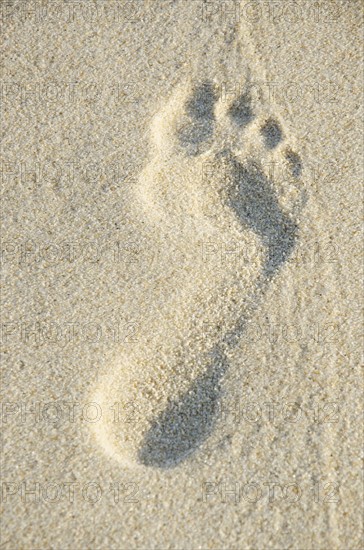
[[255, 202]]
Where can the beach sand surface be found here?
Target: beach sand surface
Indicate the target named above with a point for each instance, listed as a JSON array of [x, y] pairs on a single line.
[[177, 372]]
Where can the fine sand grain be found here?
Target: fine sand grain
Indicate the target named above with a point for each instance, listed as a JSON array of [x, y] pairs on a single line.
[[181, 275]]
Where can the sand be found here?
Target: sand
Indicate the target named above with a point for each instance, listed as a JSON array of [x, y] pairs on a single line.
[[181, 275]]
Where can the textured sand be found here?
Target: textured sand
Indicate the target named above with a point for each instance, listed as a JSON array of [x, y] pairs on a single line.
[[181, 260]]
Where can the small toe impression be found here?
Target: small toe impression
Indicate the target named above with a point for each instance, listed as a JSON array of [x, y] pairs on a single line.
[[241, 111], [272, 133]]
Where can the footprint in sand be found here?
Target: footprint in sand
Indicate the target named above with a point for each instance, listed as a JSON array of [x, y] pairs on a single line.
[[214, 178]]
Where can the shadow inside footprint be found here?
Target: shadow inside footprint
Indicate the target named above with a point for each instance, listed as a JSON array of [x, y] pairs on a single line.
[[200, 110], [295, 163], [255, 202], [186, 422]]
